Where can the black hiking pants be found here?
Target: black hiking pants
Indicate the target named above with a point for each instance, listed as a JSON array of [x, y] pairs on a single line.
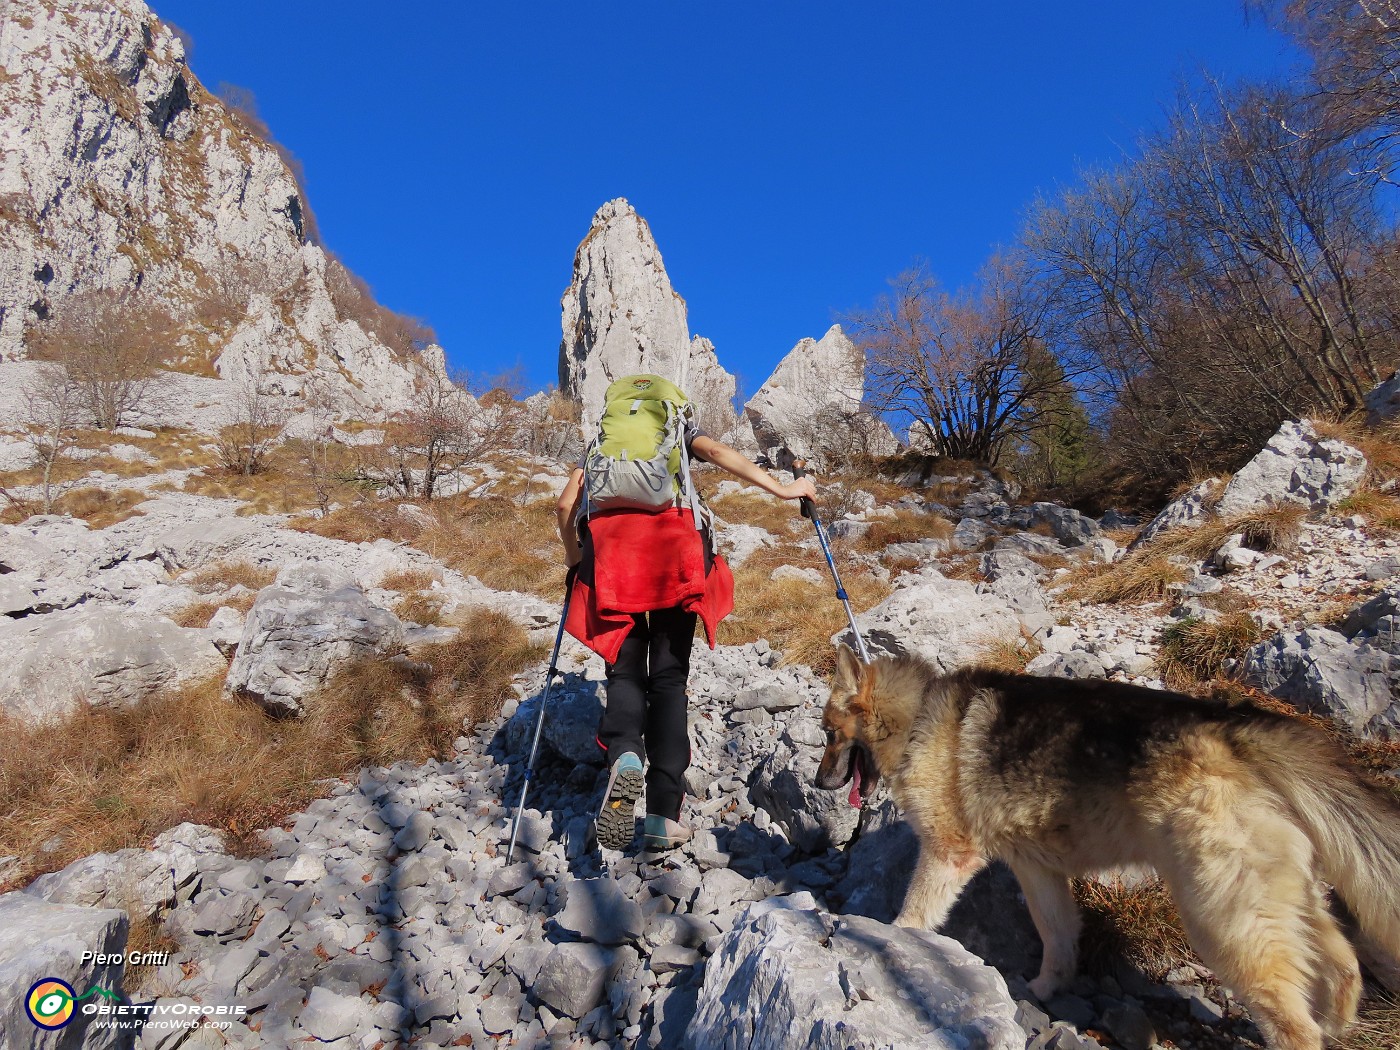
[[646, 708]]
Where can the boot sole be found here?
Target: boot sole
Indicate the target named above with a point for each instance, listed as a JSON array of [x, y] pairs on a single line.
[[617, 821]]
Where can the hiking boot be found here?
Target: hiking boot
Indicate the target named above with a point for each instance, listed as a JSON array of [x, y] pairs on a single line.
[[662, 833], [617, 819]]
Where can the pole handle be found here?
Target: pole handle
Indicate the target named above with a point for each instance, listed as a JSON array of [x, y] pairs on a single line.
[[799, 470]]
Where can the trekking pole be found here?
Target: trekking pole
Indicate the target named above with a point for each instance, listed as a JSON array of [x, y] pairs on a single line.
[[809, 510], [539, 721]]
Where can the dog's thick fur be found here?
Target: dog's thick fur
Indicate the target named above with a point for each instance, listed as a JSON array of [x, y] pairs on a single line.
[[1240, 811]]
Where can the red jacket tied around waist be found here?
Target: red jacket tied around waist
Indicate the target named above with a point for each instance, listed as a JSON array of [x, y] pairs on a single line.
[[635, 562]]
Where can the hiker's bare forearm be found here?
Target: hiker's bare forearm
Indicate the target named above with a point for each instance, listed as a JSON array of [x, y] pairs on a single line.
[[566, 511], [726, 458]]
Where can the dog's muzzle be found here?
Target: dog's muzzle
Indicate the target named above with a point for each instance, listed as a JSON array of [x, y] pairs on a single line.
[[850, 765]]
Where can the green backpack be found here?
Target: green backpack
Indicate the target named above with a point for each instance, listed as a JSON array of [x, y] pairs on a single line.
[[639, 460]]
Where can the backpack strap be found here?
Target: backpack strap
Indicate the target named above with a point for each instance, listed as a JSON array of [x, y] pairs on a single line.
[[698, 511]]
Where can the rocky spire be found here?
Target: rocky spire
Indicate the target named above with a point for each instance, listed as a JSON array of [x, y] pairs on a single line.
[[621, 315], [810, 405]]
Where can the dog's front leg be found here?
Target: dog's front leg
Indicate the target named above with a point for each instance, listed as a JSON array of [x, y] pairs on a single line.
[[1057, 920], [938, 879]]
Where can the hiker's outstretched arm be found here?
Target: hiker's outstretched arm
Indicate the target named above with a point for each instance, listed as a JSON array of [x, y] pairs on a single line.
[[567, 508], [721, 455]]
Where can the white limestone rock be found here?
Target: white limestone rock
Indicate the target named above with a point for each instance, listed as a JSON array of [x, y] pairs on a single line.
[[1383, 403], [944, 621], [96, 654], [809, 408], [786, 979], [1189, 511], [621, 316], [1296, 466], [303, 628], [48, 940]]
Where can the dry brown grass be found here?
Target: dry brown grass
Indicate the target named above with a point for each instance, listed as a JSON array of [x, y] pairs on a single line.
[[1194, 650], [1380, 509], [1137, 579], [505, 546], [1008, 654], [797, 618], [907, 526], [1377, 1027], [780, 517], [98, 507], [1146, 573], [363, 522], [112, 778], [1138, 923], [221, 576]]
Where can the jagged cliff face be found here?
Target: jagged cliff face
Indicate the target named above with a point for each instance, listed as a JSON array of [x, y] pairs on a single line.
[[621, 315], [118, 170], [809, 408]]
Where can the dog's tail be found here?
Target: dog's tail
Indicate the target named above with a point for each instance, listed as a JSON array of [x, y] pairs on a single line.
[[1354, 827]]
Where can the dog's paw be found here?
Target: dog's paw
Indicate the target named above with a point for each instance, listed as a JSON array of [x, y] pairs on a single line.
[[912, 922], [1044, 987]]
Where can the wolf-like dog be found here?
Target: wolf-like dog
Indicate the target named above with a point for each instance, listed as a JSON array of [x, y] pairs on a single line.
[[1240, 811]]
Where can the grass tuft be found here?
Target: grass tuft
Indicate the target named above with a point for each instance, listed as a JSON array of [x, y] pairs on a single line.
[[1195, 650], [1136, 579], [797, 617]]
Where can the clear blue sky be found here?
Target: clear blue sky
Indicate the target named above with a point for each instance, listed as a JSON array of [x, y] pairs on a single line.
[[790, 156]]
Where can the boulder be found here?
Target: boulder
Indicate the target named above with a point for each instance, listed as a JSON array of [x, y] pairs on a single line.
[[140, 882], [96, 655], [945, 621], [1189, 511], [1296, 466], [971, 534], [44, 940], [1032, 543], [1383, 403], [300, 630], [784, 784], [1069, 526], [1322, 672], [786, 979], [571, 726], [621, 316]]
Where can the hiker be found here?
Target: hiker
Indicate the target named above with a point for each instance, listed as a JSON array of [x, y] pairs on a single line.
[[643, 569]]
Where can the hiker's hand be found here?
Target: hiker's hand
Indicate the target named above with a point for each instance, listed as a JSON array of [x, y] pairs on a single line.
[[573, 554], [799, 488]]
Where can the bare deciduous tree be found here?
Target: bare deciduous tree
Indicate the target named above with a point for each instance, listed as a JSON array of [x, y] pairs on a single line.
[[256, 418], [956, 364], [53, 413], [443, 430], [1235, 275], [112, 345]]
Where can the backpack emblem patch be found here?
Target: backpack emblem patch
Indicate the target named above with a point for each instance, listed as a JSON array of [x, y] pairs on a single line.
[[641, 384]]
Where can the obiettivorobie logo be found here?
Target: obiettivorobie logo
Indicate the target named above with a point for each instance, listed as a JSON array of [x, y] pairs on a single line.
[[51, 1002]]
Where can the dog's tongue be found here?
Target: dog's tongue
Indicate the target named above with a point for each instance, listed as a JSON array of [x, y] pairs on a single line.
[[855, 786]]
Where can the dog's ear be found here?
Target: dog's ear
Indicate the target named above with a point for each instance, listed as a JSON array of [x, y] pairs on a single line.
[[847, 667]]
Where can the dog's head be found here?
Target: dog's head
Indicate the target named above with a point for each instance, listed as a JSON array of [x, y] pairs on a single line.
[[845, 720]]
